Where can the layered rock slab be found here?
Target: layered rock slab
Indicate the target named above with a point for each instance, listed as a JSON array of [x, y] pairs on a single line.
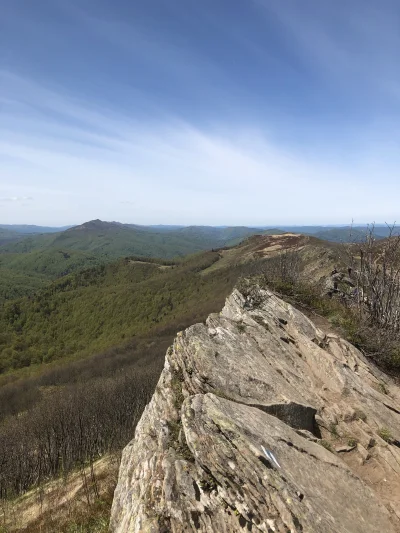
[[291, 486], [258, 358]]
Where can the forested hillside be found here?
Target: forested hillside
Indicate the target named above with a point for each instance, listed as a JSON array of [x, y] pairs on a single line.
[[97, 308], [92, 309], [7, 235], [31, 262], [24, 273], [111, 240], [81, 358]]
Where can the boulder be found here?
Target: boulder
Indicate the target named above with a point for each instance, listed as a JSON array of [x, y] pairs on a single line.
[[241, 432]]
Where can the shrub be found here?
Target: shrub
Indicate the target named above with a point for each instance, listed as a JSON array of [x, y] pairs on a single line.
[[327, 445], [385, 434]]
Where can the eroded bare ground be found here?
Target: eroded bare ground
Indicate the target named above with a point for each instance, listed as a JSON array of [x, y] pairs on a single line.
[[261, 421], [60, 501]]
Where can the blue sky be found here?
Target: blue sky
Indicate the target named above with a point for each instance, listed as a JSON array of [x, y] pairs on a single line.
[[217, 112]]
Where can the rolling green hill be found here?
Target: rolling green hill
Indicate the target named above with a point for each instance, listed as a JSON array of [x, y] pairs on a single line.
[[93, 309], [7, 233], [15, 285], [31, 262], [48, 263], [112, 240]]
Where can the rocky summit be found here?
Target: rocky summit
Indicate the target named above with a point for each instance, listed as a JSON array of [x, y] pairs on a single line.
[[263, 422]]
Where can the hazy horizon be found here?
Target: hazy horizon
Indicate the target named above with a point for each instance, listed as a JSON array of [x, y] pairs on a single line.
[[266, 226], [217, 113]]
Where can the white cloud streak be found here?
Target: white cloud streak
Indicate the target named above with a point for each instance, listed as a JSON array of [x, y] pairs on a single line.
[[81, 160], [177, 173]]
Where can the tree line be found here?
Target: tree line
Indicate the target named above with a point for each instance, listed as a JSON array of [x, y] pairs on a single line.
[[72, 427]]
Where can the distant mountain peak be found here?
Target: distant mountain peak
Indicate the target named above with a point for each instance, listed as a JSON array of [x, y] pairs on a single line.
[[97, 224]]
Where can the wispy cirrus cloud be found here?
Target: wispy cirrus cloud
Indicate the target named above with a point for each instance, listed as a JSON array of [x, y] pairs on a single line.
[[16, 199], [212, 114], [170, 168]]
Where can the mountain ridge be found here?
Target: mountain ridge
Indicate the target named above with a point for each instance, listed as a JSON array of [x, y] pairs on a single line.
[[38, 259]]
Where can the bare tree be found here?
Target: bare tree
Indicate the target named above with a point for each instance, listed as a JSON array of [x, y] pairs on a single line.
[[374, 266], [285, 267]]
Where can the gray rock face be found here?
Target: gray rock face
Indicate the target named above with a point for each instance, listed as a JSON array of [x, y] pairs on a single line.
[[242, 429]]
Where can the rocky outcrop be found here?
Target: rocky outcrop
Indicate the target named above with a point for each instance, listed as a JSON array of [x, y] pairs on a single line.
[[338, 284], [262, 422]]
